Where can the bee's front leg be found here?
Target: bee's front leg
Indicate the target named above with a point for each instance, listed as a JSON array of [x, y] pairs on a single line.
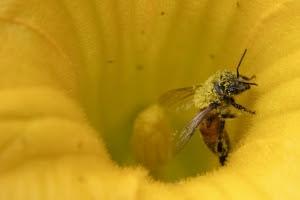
[[232, 102], [246, 78]]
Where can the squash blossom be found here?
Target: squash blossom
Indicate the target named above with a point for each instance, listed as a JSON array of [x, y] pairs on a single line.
[[79, 82]]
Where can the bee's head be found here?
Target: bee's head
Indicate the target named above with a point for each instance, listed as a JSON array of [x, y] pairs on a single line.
[[230, 84]]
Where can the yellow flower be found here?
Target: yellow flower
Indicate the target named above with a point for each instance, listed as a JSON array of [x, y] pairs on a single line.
[[75, 75]]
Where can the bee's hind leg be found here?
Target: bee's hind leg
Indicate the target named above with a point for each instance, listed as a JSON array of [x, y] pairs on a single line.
[[228, 115]]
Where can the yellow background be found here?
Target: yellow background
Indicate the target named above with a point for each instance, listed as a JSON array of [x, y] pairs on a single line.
[[71, 71]]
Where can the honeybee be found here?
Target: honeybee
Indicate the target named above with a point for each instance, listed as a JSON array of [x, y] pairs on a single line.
[[213, 100]]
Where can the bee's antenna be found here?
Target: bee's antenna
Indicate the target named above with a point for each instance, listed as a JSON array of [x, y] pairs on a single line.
[[240, 62]]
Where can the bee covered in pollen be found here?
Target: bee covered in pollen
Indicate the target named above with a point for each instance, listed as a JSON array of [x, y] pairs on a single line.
[[213, 100]]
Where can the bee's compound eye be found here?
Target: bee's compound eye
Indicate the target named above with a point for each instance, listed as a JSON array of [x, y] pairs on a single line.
[[232, 90]]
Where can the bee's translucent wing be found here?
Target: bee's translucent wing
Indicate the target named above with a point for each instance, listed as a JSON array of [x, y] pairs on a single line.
[[178, 99], [189, 129]]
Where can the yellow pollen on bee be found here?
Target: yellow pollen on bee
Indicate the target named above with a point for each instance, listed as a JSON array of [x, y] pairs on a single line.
[[207, 94]]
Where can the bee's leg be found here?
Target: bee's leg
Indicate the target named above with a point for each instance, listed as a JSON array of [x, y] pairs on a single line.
[[240, 107], [221, 127], [223, 144], [228, 116], [248, 78]]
